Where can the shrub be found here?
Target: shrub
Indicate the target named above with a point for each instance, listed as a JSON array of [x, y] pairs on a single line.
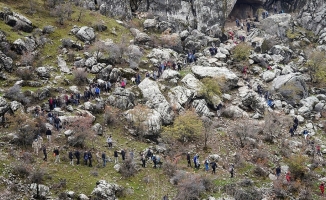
[[25, 73], [14, 93], [169, 168], [241, 52], [260, 172], [37, 176], [248, 194], [21, 170], [80, 77], [110, 115], [27, 157], [297, 166], [128, 168], [210, 90]]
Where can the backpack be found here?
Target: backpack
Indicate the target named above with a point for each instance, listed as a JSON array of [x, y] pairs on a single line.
[[231, 169], [97, 90], [86, 156]]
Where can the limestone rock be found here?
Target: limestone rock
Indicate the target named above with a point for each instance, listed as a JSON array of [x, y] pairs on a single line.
[[140, 37], [62, 65], [43, 72], [201, 108], [105, 190], [122, 98], [156, 100], [86, 33], [97, 128], [170, 74]]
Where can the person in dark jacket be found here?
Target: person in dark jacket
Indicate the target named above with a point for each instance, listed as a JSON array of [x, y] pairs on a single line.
[[44, 152], [123, 154], [85, 157], [189, 159], [71, 157], [104, 158], [48, 134], [291, 131], [77, 155], [115, 155], [214, 165], [90, 158]]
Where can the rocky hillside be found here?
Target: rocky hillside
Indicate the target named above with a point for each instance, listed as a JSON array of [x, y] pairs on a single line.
[[148, 83]]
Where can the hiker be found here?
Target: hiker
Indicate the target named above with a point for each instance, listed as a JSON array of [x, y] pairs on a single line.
[[195, 160], [104, 158], [291, 131], [35, 146], [288, 177], [70, 155], [51, 105], [56, 154], [48, 134], [188, 159], [110, 141], [206, 164], [97, 92], [123, 154], [77, 155], [296, 121], [259, 90], [306, 134], [322, 188], [270, 103], [278, 171], [40, 141], [44, 153], [295, 126], [237, 23], [231, 170], [214, 165], [244, 71], [179, 66], [143, 160], [138, 78], [115, 155], [131, 154], [85, 157], [248, 26], [154, 160], [57, 121], [166, 197], [149, 154], [318, 150], [90, 158]]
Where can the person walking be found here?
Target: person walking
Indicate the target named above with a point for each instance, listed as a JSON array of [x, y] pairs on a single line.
[[110, 141], [48, 134], [231, 170], [206, 164], [322, 188], [115, 155], [123, 154], [214, 165], [71, 157], [35, 146], [56, 154], [44, 153], [278, 171], [131, 154], [104, 158], [195, 160], [85, 157], [90, 158], [143, 160], [288, 177], [188, 159], [77, 155], [154, 160]]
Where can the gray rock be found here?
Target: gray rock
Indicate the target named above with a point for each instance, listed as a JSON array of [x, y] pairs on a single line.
[[192, 83], [276, 24], [122, 98], [117, 167], [201, 108], [150, 23], [15, 105], [43, 72], [216, 72], [268, 75], [5, 62], [234, 112], [140, 37], [115, 73], [105, 190], [44, 191], [214, 157], [69, 108], [285, 52], [309, 102], [170, 74], [116, 8], [90, 62], [156, 100], [97, 128], [291, 86], [12, 19], [180, 96], [86, 33], [252, 100], [82, 197], [62, 65], [319, 107], [68, 133], [27, 44], [162, 55]]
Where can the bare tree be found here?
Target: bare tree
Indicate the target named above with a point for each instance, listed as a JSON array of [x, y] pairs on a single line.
[[242, 130], [274, 124]]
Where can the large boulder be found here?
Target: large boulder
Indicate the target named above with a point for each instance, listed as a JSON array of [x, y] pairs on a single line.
[[43, 72], [170, 74], [26, 44], [116, 8], [180, 96], [44, 190], [86, 33], [105, 190], [156, 100], [292, 87], [18, 20], [252, 100], [160, 55], [122, 98], [192, 83], [140, 37], [5, 62], [201, 108], [234, 112], [276, 24], [98, 129], [62, 64], [216, 72]]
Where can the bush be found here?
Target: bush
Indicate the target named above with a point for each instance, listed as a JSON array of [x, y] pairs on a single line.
[[28, 157], [260, 172], [248, 194], [169, 168], [110, 115], [37, 176], [241, 52], [297, 166], [14, 93], [80, 77], [128, 168], [21, 170], [25, 73], [211, 90]]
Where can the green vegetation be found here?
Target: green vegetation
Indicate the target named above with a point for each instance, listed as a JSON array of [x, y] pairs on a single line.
[[211, 90], [241, 52], [317, 67]]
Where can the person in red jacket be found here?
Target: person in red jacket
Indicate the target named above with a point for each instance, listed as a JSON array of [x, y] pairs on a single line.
[[288, 177], [322, 188]]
